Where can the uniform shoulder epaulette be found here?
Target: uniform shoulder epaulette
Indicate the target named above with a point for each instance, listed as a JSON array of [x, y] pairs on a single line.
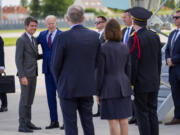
[[132, 34]]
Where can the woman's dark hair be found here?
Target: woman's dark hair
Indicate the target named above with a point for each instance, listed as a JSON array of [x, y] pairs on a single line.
[[113, 30]]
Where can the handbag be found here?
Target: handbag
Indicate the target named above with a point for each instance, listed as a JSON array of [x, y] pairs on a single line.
[[7, 83]]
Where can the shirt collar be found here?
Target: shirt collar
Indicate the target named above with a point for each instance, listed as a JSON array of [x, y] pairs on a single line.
[[75, 25], [100, 32], [53, 33], [130, 27], [29, 35]]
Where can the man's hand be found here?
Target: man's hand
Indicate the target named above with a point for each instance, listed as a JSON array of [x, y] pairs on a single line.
[[1, 71], [24, 81], [169, 62], [97, 100]]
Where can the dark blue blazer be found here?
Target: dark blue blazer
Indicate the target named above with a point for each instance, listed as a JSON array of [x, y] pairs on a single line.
[[175, 58], [1, 52], [74, 62], [47, 52], [114, 71]]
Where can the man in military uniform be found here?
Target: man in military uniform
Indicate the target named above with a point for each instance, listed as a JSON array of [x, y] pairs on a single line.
[[145, 49]]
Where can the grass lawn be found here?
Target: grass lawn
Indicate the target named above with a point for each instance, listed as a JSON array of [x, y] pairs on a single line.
[[10, 41]]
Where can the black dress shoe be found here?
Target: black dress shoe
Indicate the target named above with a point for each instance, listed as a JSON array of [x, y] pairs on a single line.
[[62, 127], [96, 115], [132, 120], [53, 125], [32, 126], [25, 129], [3, 109]]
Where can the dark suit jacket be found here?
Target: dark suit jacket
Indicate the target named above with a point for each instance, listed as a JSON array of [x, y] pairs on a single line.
[[74, 61], [102, 38], [26, 57], [114, 71], [1, 52], [146, 70], [124, 30], [176, 50], [47, 52]]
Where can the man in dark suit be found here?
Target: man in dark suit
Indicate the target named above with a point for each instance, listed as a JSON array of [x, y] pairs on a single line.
[[100, 25], [26, 63], [3, 96], [172, 56], [126, 32], [73, 66], [46, 39], [145, 50]]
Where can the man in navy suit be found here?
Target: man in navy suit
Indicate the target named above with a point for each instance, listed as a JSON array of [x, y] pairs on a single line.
[[172, 56], [126, 32], [73, 65], [100, 25], [3, 96], [46, 39]]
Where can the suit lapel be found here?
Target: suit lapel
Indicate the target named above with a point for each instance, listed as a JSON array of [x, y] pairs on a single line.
[[57, 32], [45, 38], [30, 43], [175, 42]]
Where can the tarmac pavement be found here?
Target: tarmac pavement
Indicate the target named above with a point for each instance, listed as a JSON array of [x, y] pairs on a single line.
[[40, 112]]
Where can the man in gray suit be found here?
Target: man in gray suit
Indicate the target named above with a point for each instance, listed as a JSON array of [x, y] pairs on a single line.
[[26, 63]]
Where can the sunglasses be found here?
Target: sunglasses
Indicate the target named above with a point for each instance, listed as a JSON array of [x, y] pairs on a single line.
[[176, 17], [98, 22]]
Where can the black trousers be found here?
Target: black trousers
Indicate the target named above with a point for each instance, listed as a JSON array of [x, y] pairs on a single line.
[[146, 113], [3, 98], [174, 79], [69, 110]]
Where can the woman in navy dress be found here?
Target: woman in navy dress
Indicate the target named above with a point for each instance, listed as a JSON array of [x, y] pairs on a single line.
[[113, 80]]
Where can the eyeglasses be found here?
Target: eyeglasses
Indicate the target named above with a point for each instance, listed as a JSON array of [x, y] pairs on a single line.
[[98, 22], [176, 17]]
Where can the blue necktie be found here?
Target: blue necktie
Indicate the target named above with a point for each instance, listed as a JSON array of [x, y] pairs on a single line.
[[127, 36], [173, 40]]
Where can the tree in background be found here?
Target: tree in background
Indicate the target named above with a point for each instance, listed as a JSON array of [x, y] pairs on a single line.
[[170, 3], [35, 8], [24, 3], [55, 7]]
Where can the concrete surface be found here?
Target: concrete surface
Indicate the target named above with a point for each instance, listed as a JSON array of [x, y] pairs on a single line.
[[40, 112]]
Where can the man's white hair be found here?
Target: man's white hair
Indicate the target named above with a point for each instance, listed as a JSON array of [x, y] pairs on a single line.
[[50, 16]]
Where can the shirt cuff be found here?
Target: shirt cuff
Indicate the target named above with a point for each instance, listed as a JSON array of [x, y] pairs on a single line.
[[1, 67]]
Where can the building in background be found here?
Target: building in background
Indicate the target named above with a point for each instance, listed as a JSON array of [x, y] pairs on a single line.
[[97, 4], [14, 13]]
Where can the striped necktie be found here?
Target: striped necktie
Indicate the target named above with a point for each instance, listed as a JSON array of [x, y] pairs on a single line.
[[49, 40]]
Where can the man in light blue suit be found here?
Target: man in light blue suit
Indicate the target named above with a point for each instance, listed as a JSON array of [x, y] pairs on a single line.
[[46, 39]]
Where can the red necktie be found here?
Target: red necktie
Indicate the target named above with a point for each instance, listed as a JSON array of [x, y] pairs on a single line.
[[49, 40]]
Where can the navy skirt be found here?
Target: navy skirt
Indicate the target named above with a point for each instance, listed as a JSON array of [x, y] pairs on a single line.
[[116, 108]]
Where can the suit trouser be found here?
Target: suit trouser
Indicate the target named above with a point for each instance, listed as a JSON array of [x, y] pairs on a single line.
[[51, 96], [146, 113], [26, 100], [84, 107], [174, 79], [133, 110], [3, 98]]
